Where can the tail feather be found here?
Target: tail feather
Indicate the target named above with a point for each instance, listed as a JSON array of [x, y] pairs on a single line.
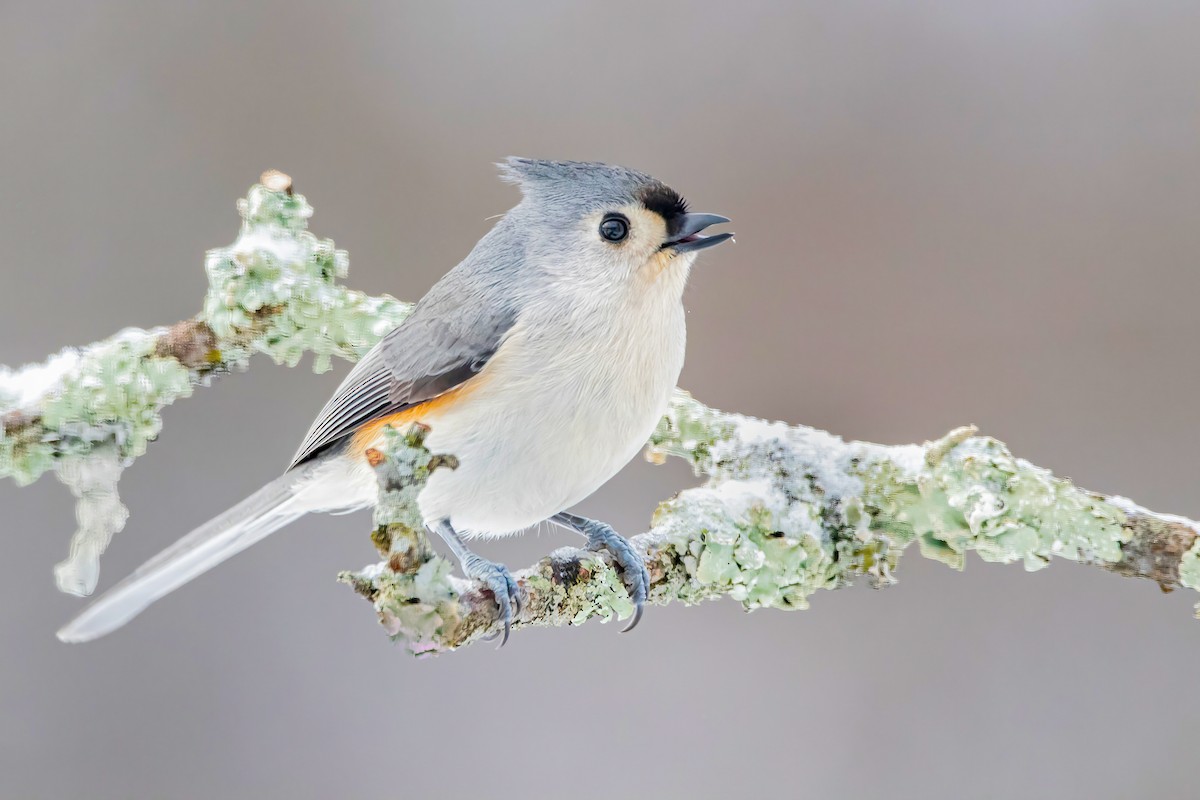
[[250, 521]]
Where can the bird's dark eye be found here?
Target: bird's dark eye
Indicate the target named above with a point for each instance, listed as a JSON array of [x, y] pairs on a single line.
[[614, 228]]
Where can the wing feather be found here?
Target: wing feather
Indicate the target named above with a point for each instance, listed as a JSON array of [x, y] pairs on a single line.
[[426, 355]]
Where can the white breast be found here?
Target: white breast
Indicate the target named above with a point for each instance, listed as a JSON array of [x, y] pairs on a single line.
[[569, 399]]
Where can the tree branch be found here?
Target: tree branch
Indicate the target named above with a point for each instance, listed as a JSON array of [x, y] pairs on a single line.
[[784, 511], [273, 291]]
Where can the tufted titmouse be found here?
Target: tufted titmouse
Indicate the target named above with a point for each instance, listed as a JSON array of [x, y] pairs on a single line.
[[542, 362]]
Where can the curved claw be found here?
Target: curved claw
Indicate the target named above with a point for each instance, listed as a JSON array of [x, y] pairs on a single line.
[[503, 587], [641, 586], [633, 567], [637, 617]]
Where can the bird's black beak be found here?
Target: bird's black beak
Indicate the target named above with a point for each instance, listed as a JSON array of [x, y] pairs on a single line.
[[685, 232]]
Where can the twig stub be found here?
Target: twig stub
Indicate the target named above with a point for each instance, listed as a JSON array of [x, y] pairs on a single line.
[[276, 181]]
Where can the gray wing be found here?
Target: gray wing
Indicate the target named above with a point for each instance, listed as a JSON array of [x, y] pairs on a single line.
[[429, 353]]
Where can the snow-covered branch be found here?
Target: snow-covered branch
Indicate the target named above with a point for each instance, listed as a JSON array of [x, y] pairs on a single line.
[[784, 511], [87, 412]]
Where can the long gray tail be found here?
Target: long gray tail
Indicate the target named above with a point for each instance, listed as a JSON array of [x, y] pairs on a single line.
[[223, 536]]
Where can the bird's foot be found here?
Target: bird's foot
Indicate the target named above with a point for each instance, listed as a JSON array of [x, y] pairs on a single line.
[[500, 581], [601, 536]]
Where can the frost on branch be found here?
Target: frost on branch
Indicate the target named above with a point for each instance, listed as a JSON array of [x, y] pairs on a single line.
[[273, 291], [784, 511]]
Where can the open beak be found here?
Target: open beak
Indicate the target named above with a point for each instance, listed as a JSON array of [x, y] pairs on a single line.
[[685, 232]]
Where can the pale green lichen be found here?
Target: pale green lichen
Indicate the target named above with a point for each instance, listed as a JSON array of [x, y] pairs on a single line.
[[116, 394], [421, 603], [113, 395], [735, 538], [688, 430], [979, 497], [1189, 569], [412, 589], [420, 608], [601, 595], [404, 467], [274, 290], [781, 516], [785, 511], [789, 510]]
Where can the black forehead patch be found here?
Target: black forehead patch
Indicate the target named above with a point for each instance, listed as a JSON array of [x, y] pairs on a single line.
[[664, 201]]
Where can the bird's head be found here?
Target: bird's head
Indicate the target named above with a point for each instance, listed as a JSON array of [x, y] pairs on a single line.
[[601, 223]]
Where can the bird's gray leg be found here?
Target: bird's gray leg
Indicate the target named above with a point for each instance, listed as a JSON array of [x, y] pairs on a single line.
[[601, 536], [495, 576]]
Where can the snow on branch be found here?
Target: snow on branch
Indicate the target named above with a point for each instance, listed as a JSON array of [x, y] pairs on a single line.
[[87, 412], [784, 510]]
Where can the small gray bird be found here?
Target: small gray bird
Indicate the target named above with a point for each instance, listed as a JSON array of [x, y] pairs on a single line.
[[543, 362]]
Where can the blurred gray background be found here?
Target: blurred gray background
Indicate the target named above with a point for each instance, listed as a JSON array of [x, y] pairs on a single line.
[[946, 213]]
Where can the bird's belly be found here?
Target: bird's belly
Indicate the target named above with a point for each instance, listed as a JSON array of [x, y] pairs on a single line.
[[531, 442], [521, 460]]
